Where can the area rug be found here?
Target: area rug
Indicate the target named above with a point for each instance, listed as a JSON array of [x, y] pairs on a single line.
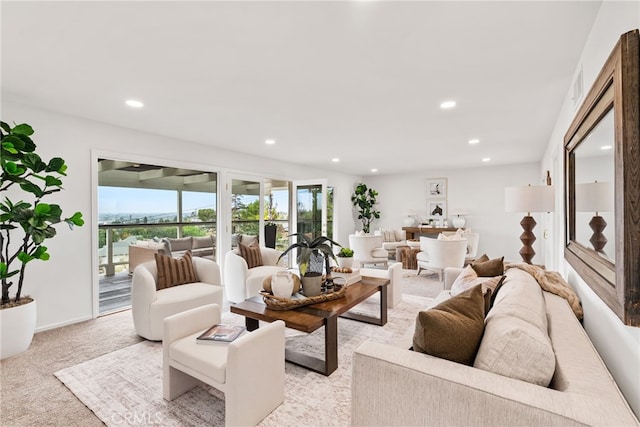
[[125, 387]]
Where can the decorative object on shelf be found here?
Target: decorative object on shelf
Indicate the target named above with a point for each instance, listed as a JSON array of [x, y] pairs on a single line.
[[436, 188], [459, 220], [345, 258], [364, 200], [282, 284], [532, 198], [595, 197], [311, 253], [410, 220], [24, 227]]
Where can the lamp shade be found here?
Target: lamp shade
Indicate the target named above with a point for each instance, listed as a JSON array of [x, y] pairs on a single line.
[[532, 198], [594, 197]]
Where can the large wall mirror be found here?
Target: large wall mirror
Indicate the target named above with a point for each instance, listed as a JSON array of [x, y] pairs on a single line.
[[602, 164]]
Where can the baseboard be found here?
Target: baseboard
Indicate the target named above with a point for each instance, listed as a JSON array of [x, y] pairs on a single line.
[[61, 324]]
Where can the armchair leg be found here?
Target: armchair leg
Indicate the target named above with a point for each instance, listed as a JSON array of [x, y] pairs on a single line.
[[176, 383]]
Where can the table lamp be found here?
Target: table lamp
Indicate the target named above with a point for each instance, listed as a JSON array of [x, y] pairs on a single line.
[[532, 198], [458, 220], [595, 197]]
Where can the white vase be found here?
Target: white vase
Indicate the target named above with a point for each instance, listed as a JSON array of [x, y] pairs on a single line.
[[282, 284], [345, 262], [458, 221], [17, 325]]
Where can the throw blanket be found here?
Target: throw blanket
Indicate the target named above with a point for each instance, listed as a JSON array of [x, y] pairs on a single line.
[[551, 281]]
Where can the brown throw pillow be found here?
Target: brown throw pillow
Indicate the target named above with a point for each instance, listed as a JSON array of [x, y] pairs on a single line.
[[491, 268], [251, 255], [453, 329], [482, 258], [174, 271]]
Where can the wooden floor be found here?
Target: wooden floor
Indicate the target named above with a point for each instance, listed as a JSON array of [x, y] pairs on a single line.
[[115, 292]]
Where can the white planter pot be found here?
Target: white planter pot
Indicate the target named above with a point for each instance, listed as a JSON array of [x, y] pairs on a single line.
[[344, 262], [17, 325]]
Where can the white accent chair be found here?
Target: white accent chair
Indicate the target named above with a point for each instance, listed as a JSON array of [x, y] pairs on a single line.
[[149, 306], [394, 274], [249, 371], [436, 255], [242, 282], [368, 250], [473, 240], [392, 240]]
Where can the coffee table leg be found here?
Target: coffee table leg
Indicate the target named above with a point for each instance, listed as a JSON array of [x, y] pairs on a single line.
[[251, 324], [383, 306], [331, 345]]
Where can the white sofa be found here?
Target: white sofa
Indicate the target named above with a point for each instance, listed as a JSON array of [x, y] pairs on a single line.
[[149, 306], [394, 274], [394, 386], [242, 282], [392, 240]]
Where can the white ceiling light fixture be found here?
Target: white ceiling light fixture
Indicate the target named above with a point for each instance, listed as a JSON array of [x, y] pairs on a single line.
[[134, 103], [335, 160], [374, 170], [447, 105], [270, 141], [474, 141], [486, 159]]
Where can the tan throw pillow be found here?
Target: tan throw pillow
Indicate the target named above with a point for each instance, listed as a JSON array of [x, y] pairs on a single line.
[[468, 278], [174, 271], [251, 255], [482, 258], [453, 329], [491, 268]]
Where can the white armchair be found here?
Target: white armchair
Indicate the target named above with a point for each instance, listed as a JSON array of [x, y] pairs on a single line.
[[242, 282], [436, 255], [473, 240], [394, 274], [249, 371], [368, 250], [149, 306]]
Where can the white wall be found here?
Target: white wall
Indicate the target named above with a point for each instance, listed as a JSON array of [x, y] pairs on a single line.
[[479, 191], [63, 285], [618, 345]]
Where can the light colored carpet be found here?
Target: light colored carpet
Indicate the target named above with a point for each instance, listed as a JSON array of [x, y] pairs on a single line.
[[125, 387]]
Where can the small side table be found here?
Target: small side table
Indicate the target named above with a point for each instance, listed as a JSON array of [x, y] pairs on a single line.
[[407, 256]]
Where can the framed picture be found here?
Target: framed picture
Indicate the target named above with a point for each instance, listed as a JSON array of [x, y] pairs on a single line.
[[436, 188], [437, 209]]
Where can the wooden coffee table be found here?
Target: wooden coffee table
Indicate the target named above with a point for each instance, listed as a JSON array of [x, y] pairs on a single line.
[[311, 317]]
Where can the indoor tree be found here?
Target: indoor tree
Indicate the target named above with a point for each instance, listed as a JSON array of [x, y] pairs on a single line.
[[364, 200]]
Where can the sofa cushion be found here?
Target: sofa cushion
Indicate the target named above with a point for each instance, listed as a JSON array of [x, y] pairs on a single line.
[[181, 244], [516, 349], [389, 236], [468, 278], [174, 271], [251, 255], [248, 239], [516, 342], [491, 268], [203, 242], [452, 329]]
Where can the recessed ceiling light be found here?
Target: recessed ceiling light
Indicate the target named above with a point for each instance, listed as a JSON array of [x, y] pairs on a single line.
[[270, 141], [447, 105], [335, 160], [606, 147], [134, 103], [474, 141], [486, 159], [374, 170]]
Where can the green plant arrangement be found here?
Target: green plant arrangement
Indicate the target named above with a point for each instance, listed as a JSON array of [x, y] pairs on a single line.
[[345, 253], [364, 200], [308, 248], [25, 225]]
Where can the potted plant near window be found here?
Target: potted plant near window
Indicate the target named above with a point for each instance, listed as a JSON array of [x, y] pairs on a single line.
[[24, 226], [364, 200], [345, 258], [312, 254]]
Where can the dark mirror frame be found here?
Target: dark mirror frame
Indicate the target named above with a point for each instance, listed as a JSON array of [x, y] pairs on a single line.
[[617, 87]]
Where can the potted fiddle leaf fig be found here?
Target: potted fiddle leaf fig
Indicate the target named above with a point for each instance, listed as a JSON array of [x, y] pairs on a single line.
[[26, 222], [364, 200], [312, 255]]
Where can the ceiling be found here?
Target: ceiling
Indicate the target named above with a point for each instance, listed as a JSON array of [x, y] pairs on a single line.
[[361, 81]]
